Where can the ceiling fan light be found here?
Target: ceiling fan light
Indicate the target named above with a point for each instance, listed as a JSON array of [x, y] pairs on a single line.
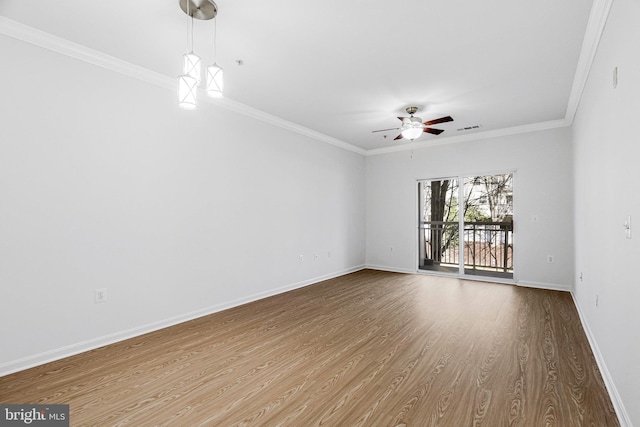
[[412, 132], [191, 66], [187, 88], [215, 81]]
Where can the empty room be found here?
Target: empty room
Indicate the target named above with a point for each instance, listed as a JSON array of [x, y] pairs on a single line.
[[241, 213]]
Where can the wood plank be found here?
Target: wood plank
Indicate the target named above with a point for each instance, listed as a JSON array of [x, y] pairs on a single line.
[[367, 349]]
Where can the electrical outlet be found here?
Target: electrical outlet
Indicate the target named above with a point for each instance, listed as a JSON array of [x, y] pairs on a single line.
[[100, 295], [301, 258], [315, 257], [580, 276], [550, 259], [597, 300]]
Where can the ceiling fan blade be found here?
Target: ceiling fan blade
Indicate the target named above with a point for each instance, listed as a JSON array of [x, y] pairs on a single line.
[[433, 131], [384, 130], [403, 118], [397, 137], [440, 120]]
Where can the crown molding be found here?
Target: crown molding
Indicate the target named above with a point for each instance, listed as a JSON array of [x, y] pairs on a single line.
[[48, 41], [533, 127], [284, 124], [595, 27], [593, 33], [80, 52]]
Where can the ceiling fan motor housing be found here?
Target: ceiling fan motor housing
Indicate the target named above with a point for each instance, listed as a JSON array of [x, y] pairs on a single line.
[[412, 122]]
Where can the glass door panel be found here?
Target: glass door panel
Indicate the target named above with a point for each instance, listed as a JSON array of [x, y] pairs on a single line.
[[438, 226], [488, 225]]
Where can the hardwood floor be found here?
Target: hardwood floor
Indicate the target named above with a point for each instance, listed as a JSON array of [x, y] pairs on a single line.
[[367, 349]]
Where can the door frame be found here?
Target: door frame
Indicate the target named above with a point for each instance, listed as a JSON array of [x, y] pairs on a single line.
[[461, 274]]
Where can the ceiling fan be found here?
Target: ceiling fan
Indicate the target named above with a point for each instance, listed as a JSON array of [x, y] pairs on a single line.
[[412, 127]]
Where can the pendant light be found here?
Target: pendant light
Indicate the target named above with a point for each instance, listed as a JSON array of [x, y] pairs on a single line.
[[215, 75], [191, 64], [191, 75], [190, 78]]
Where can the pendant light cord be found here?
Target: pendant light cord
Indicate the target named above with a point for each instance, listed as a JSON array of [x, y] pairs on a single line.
[[191, 33], [215, 42], [188, 1], [189, 28]]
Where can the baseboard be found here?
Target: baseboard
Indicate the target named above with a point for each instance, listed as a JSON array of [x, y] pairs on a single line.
[[81, 347], [542, 285], [441, 274], [390, 269], [621, 412]]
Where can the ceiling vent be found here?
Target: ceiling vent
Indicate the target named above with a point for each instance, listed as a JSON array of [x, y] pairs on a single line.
[[469, 128]]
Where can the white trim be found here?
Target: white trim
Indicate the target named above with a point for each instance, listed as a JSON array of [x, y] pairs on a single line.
[[593, 34], [533, 127], [595, 27], [390, 269], [623, 416], [461, 260], [284, 124], [542, 285], [80, 52], [417, 209], [91, 344], [467, 277], [473, 172], [450, 275], [621, 412], [441, 274], [461, 211], [489, 279]]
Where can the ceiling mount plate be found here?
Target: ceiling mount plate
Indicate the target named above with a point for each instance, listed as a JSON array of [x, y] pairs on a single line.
[[411, 110], [200, 9]]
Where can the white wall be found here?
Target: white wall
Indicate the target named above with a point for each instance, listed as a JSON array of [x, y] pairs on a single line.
[[104, 182], [542, 187], [607, 154]]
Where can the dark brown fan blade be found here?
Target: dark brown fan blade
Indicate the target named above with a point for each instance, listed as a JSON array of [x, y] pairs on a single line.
[[433, 131], [440, 120], [397, 137], [384, 130]]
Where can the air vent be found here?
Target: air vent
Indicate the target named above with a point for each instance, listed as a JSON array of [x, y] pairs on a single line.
[[469, 128]]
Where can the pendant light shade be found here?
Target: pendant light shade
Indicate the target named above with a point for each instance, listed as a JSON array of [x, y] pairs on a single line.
[[187, 88], [215, 81], [191, 66], [215, 75]]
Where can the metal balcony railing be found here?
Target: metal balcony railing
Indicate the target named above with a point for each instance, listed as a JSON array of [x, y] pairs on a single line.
[[487, 245]]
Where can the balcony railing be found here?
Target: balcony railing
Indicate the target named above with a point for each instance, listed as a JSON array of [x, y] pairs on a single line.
[[487, 245]]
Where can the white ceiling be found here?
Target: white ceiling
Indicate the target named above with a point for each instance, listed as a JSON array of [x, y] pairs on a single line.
[[346, 67]]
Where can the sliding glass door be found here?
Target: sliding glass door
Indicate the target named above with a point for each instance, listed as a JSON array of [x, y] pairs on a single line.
[[438, 231], [465, 225]]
